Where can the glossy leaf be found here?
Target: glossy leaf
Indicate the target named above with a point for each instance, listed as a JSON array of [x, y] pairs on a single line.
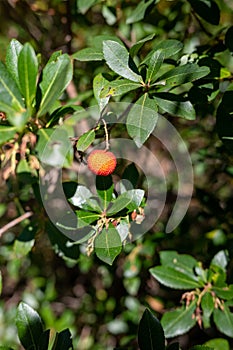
[[108, 244], [85, 140], [117, 58], [172, 278], [130, 200], [179, 321], [181, 262], [43, 342], [206, 9], [173, 105], [223, 320], [27, 73], [11, 100], [207, 305], [142, 119], [88, 54], [98, 85], [224, 291], [29, 326], [118, 87], [169, 48], [62, 245], [105, 187], [56, 76], [86, 217], [150, 333], [7, 133], [140, 11], [12, 55], [131, 175], [63, 341], [220, 260], [154, 64], [184, 74], [81, 195]]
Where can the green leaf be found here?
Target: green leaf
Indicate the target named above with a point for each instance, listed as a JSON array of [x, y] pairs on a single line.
[[142, 119], [220, 260], [169, 48], [118, 87], [85, 5], [88, 54], [184, 74], [218, 344], [12, 55], [207, 305], [11, 100], [223, 320], [179, 321], [201, 347], [207, 9], [229, 39], [56, 76], [181, 262], [86, 217], [150, 333], [130, 199], [5, 348], [29, 326], [81, 195], [85, 140], [131, 177], [154, 64], [7, 133], [173, 278], [109, 15], [62, 245], [63, 341], [175, 105], [140, 11], [44, 340], [224, 292], [21, 249], [137, 46], [27, 73], [98, 84], [105, 187], [108, 244], [117, 58]]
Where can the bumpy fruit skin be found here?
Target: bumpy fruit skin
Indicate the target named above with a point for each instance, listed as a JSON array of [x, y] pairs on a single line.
[[101, 162]]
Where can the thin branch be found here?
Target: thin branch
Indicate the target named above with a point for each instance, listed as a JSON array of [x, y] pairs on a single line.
[[15, 222]]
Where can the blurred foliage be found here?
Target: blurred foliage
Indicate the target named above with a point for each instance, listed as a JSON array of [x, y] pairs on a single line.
[[101, 304]]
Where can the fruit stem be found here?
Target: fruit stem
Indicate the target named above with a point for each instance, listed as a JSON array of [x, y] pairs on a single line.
[[106, 135]]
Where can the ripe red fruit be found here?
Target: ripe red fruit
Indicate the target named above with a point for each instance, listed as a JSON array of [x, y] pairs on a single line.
[[101, 162]]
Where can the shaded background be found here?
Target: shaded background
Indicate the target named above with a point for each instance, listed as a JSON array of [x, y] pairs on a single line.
[[102, 305]]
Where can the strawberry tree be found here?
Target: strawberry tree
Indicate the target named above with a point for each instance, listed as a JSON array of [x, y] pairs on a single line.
[[67, 120]]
